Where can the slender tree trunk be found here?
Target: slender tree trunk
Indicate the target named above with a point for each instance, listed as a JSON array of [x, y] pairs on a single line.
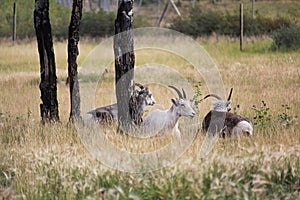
[[91, 4], [73, 52], [253, 5], [124, 61], [163, 13], [105, 5], [48, 85]]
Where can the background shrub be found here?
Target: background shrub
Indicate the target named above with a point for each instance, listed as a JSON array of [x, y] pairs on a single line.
[[203, 23], [94, 23], [97, 24], [286, 38], [198, 21]]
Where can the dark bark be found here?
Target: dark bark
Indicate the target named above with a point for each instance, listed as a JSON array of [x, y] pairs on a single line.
[[124, 60], [163, 13], [73, 52], [48, 85]]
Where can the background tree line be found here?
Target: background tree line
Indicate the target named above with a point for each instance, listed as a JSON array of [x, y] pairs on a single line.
[[198, 21], [95, 23], [284, 31]]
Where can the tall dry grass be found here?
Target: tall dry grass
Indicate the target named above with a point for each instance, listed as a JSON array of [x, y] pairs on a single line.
[[51, 162]]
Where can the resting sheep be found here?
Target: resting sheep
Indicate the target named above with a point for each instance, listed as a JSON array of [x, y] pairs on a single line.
[[161, 121], [220, 120], [139, 100]]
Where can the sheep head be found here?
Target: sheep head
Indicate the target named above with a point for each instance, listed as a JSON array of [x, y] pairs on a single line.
[[145, 94], [182, 104], [221, 105]]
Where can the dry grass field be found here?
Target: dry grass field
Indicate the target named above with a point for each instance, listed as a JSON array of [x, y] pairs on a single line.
[[51, 162]]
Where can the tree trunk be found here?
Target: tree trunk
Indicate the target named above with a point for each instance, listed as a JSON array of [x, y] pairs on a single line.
[[106, 5], [124, 61], [73, 52], [99, 4], [48, 85], [91, 5], [163, 13]]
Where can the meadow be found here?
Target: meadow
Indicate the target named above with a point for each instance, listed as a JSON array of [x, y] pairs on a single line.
[[51, 162]]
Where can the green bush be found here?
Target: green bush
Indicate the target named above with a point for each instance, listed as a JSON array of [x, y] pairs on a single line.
[[201, 22], [141, 21], [93, 24], [286, 38], [59, 19], [25, 27], [97, 24]]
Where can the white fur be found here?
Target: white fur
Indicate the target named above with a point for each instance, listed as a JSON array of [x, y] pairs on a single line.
[[243, 127], [221, 105], [160, 121]]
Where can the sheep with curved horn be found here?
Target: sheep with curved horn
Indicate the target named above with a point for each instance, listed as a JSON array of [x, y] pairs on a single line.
[[160, 121], [137, 105], [138, 102], [220, 120]]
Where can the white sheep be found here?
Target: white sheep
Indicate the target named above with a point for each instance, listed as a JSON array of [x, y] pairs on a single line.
[[160, 121]]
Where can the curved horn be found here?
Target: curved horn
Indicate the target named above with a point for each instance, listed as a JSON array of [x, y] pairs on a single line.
[[183, 92], [178, 92], [213, 95], [229, 94], [139, 85]]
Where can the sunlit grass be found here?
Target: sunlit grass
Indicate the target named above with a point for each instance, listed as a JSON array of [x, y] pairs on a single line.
[[50, 161]]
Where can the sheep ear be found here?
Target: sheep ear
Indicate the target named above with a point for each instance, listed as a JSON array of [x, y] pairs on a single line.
[[174, 101]]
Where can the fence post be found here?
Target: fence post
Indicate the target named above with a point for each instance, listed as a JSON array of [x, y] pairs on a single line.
[[253, 4], [241, 27], [14, 22]]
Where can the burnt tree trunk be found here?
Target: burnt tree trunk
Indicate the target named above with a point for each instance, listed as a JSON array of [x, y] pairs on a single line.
[[48, 85], [73, 52], [124, 61]]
